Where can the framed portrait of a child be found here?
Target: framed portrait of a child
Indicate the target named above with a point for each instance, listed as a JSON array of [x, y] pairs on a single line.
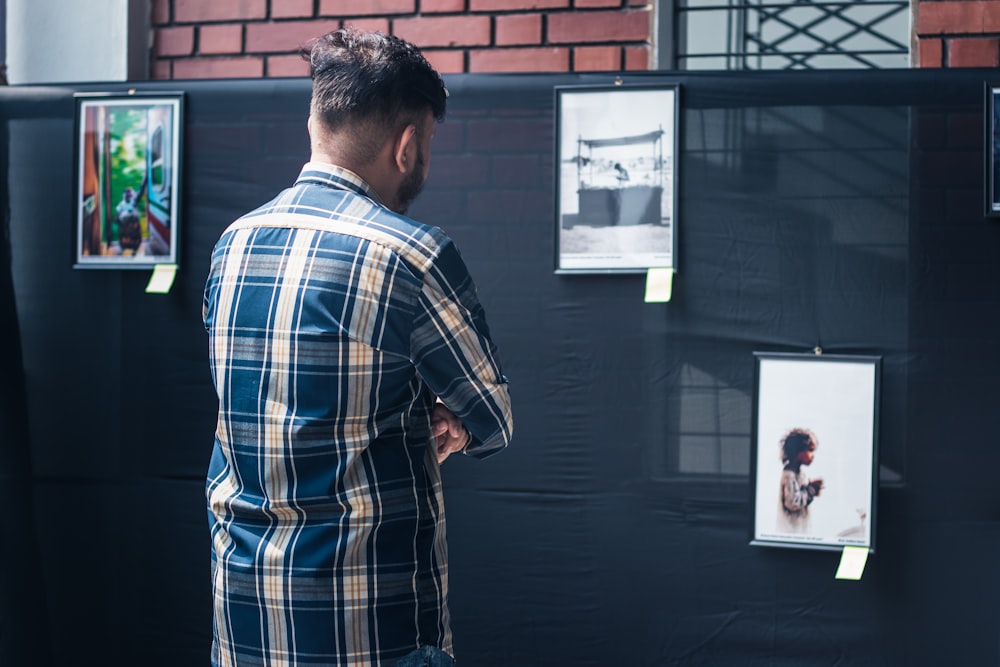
[[128, 163], [814, 459]]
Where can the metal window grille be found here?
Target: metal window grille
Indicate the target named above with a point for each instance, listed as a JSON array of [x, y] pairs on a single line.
[[791, 34]]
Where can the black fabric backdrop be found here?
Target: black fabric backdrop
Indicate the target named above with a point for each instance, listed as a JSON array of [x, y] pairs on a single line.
[[839, 209]]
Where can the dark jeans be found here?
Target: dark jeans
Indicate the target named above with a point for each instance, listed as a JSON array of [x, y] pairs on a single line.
[[426, 656]]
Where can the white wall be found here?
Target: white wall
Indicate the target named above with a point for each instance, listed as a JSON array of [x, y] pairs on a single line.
[[63, 41]]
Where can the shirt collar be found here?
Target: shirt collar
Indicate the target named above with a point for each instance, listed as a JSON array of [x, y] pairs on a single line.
[[332, 176]]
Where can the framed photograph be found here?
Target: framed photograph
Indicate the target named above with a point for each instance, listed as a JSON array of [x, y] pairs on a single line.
[[814, 462], [991, 150], [616, 154], [127, 176]]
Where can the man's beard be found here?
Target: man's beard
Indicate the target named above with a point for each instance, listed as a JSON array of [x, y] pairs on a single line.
[[411, 186]]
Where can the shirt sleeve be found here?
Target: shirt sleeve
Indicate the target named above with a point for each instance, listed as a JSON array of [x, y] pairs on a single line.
[[455, 356]]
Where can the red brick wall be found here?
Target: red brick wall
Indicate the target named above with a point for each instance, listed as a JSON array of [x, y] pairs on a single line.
[[958, 33], [196, 39]]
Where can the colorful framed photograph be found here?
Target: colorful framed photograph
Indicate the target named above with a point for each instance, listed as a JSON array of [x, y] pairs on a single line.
[[128, 159], [616, 194], [814, 462], [991, 150]]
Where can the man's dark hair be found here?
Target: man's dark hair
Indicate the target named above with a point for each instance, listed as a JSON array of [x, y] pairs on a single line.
[[374, 82]]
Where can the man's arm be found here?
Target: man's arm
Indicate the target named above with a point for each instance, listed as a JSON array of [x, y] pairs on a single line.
[[456, 357]]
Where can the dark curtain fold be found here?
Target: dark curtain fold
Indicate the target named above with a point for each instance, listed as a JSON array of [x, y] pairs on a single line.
[[23, 621], [833, 209]]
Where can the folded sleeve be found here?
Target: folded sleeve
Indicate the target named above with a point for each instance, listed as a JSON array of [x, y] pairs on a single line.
[[455, 356]]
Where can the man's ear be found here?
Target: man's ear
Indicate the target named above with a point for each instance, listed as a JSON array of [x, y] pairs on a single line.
[[405, 149]]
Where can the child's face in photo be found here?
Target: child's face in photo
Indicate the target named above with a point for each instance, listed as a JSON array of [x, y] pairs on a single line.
[[807, 455]]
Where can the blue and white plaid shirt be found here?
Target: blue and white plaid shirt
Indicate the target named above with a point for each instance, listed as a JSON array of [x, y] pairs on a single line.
[[334, 324]]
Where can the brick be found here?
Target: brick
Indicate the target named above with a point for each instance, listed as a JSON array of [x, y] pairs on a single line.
[[462, 171], [200, 11], [951, 169], [280, 136], [291, 9], [636, 58], [233, 138], [287, 66], [465, 115], [249, 67], [285, 36], [506, 114], [173, 41], [952, 17], [159, 12], [639, 3], [444, 30], [930, 129], [441, 6], [446, 61], [518, 29], [284, 168], [217, 39], [514, 135], [496, 205], [515, 5], [543, 59], [342, 8], [373, 24], [516, 170], [965, 130], [973, 52], [930, 52], [440, 207], [161, 70], [599, 26], [597, 58], [449, 137], [591, 4], [991, 18]]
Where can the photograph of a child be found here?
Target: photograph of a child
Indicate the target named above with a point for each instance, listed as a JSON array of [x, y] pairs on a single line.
[[814, 450], [798, 449]]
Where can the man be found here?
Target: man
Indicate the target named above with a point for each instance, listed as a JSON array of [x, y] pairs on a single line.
[[351, 358]]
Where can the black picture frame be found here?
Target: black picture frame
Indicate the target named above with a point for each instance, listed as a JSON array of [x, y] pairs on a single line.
[[991, 150], [128, 172], [616, 177], [835, 400]]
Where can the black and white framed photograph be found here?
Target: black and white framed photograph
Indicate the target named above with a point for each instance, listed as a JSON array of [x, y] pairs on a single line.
[[616, 195], [127, 179], [814, 458], [991, 150]]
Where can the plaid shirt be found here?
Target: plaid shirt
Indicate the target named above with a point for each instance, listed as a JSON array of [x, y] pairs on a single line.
[[334, 324]]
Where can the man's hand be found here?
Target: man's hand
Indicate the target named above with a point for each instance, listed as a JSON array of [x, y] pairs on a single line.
[[449, 434]]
